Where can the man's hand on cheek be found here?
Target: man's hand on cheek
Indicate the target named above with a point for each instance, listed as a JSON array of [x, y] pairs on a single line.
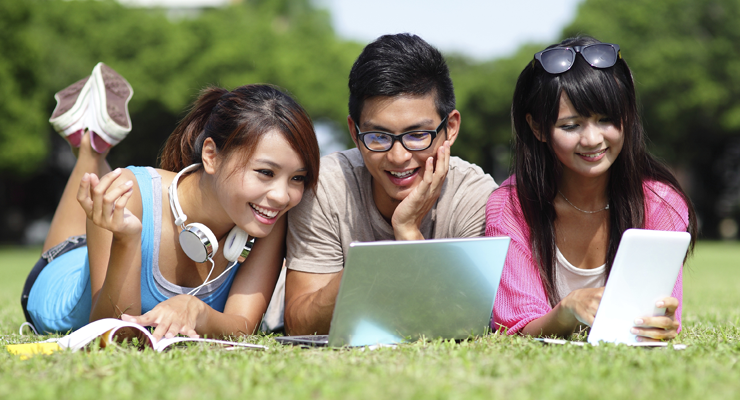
[[411, 211]]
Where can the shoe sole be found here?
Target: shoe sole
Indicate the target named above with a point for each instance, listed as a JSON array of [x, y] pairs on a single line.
[[111, 94], [72, 103]]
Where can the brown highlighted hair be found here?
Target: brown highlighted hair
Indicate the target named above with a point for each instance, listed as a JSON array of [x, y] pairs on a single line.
[[236, 121]]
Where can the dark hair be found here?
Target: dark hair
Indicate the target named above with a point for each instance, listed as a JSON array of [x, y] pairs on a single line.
[[609, 92], [399, 64], [236, 120]]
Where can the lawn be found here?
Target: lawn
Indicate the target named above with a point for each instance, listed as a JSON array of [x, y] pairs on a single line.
[[489, 367]]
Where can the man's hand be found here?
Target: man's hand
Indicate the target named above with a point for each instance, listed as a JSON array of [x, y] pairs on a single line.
[[411, 211]]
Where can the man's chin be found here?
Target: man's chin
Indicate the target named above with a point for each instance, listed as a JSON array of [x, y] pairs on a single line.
[[399, 194]]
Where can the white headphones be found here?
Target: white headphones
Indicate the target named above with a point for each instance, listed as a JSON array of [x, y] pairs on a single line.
[[196, 240]]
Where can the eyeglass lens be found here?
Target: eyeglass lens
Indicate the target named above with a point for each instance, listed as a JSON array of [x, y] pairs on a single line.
[[378, 141]]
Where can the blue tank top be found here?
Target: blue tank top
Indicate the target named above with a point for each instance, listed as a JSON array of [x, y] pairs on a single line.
[[151, 295]]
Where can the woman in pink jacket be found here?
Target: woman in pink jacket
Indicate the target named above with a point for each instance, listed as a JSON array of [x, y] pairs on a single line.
[[582, 176]]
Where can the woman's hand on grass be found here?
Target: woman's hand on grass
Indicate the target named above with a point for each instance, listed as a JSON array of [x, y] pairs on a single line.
[[655, 329], [177, 315], [104, 203]]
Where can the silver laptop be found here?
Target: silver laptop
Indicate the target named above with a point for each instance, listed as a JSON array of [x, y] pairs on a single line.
[[397, 291]]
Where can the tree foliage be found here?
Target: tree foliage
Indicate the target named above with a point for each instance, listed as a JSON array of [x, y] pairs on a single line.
[[47, 45], [685, 56]]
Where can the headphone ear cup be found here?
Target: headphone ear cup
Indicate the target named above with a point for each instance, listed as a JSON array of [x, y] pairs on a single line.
[[198, 242], [234, 244]]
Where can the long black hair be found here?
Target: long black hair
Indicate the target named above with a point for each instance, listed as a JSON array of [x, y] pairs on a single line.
[[592, 91]]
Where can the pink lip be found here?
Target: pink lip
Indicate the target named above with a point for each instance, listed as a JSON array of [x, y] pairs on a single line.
[[260, 218], [601, 154], [402, 181]]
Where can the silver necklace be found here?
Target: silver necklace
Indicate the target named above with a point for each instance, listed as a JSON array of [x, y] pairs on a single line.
[[583, 211]]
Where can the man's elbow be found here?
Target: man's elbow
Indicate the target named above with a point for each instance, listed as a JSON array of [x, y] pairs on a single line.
[[292, 325], [298, 319]]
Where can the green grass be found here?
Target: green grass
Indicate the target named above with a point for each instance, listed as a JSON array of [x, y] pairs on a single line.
[[490, 367]]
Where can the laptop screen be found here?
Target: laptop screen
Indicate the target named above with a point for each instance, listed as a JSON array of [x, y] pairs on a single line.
[[393, 291]]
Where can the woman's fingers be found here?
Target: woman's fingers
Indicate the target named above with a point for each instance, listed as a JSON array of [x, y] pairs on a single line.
[[83, 195], [170, 327], [662, 322], [654, 333], [649, 339], [658, 327], [135, 319], [582, 304], [669, 303], [104, 201], [172, 317], [119, 204], [166, 329], [98, 189], [103, 196], [189, 332]]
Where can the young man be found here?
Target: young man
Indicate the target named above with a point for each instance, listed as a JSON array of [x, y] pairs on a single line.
[[400, 183]]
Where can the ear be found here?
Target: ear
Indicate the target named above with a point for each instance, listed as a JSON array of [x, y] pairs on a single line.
[[453, 126], [352, 130], [535, 129], [209, 156]]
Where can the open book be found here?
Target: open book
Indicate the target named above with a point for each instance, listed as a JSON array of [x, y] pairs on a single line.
[[111, 330]]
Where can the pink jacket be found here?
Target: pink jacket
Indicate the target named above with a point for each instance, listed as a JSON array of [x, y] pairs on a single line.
[[521, 297]]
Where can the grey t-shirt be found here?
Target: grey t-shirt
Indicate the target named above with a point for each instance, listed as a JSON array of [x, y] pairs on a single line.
[[342, 211]]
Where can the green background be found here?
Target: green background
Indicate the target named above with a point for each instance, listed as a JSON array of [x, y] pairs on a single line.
[[685, 57]]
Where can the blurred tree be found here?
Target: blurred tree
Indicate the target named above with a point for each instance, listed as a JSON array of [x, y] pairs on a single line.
[[21, 104], [685, 57], [484, 92], [684, 54], [49, 44]]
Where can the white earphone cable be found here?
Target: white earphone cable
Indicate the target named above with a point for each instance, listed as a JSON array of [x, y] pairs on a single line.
[[213, 265]]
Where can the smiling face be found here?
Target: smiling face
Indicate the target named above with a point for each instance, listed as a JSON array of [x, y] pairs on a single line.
[[256, 195], [398, 171], [586, 146]]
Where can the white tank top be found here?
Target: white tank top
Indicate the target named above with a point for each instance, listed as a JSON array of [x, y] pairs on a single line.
[[569, 278]]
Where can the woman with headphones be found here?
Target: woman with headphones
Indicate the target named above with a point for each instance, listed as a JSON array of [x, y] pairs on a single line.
[[169, 243]]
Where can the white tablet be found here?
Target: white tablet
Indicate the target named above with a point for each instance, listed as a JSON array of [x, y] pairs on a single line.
[[645, 270]]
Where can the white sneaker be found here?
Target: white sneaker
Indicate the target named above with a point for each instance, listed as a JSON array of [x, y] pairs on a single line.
[[108, 118], [68, 117]]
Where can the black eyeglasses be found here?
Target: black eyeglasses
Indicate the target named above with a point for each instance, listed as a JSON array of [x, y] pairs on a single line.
[[559, 59], [412, 140]]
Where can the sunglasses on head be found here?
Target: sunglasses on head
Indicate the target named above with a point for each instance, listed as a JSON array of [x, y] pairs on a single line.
[[560, 59]]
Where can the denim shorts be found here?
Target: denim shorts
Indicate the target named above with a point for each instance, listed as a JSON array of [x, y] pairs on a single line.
[[48, 256]]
